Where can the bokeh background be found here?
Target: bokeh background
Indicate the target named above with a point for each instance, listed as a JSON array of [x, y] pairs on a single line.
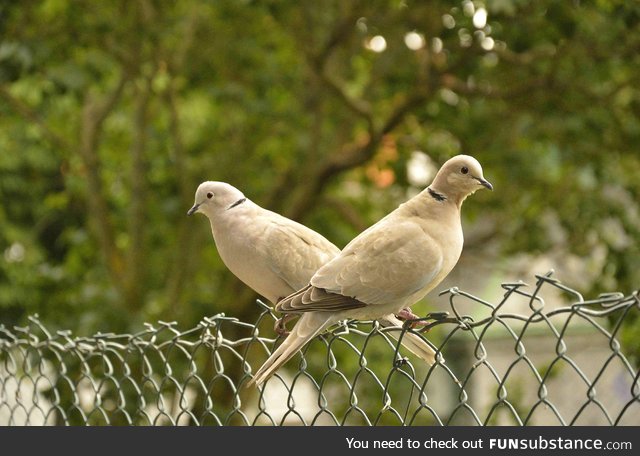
[[331, 113]]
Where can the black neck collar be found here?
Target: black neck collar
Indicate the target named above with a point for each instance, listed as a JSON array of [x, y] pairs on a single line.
[[237, 203], [436, 196]]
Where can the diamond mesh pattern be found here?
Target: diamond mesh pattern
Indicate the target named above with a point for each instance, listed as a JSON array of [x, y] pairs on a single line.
[[518, 361]]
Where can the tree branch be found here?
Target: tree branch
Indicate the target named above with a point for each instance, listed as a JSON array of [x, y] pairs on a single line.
[[350, 157], [358, 153], [347, 212], [137, 208], [339, 33], [94, 114], [25, 111], [185, 242], [525, 88], [358, 106]]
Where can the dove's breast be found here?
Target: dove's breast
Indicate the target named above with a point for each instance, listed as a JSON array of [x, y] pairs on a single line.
[[449, 241], [237, 242]]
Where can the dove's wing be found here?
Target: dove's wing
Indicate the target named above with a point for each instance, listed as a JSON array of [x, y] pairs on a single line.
[[294, 252], [382, 266], [389, 263]]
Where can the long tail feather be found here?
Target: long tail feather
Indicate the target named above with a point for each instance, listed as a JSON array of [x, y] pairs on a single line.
[[412, 342], [306, 328]]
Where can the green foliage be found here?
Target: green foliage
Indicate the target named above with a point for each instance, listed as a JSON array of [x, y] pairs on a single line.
[[112, 113]]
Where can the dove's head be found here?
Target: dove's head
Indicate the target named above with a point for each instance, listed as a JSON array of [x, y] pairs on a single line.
[[215, 197], [459, 177]]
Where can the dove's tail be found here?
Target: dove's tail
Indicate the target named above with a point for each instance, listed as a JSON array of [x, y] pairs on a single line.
[[411, 341], [306, 328]]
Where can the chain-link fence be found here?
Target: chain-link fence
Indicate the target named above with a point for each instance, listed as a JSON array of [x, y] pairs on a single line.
[[540, 355]]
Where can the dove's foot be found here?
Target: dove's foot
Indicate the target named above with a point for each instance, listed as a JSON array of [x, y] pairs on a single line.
[[430, 320], [412, 319], [280, 327], [407, 314]]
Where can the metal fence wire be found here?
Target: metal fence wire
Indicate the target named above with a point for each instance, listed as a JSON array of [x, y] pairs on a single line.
[[518, 361]]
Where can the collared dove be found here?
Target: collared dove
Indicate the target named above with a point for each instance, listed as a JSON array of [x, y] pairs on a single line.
[[272, 254], [389, 266]]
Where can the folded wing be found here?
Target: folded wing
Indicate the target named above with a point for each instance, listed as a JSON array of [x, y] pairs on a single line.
[[382, 266], [294, 252]]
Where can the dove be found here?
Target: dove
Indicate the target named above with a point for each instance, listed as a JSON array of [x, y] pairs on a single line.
[[389, 266], [272, 254]]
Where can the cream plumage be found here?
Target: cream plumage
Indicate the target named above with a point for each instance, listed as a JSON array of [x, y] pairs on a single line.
[[389, 266], [272, 254]]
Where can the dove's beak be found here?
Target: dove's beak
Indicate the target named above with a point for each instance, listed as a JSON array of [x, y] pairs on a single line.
[[485, 183], [194, 209]]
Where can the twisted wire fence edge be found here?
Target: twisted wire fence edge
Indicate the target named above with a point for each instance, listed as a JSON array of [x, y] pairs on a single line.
[[538, 355]]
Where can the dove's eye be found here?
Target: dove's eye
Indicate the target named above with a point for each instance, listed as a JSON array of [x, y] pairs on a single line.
[[209, 195], [464, 170]]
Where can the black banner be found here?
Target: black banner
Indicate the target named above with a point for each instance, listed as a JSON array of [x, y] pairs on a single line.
[[311, 440]]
